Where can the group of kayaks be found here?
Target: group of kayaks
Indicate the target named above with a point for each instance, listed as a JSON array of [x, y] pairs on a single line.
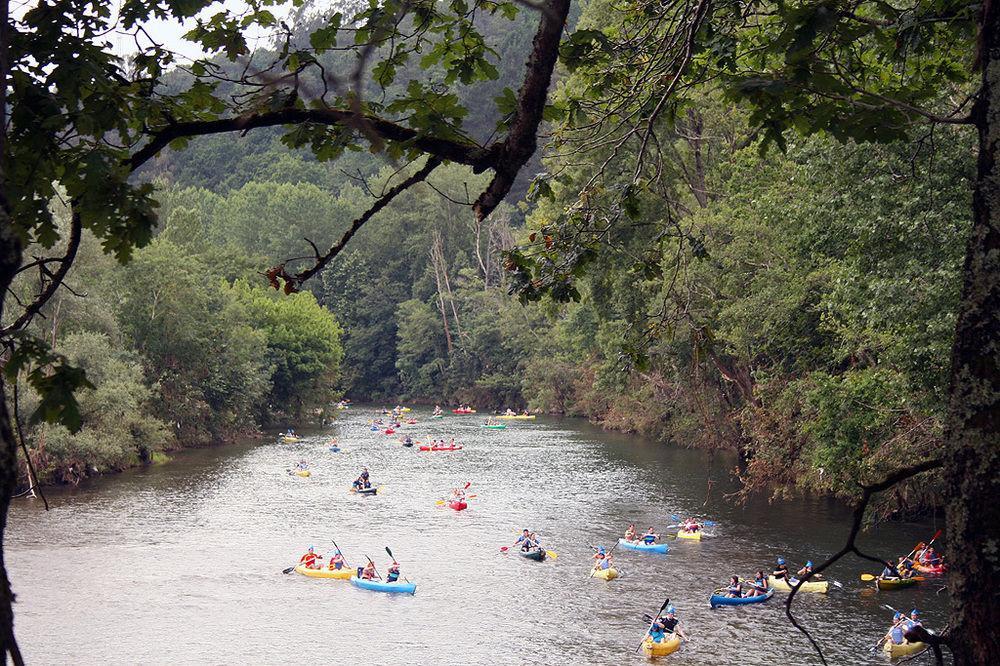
[[396, 587]]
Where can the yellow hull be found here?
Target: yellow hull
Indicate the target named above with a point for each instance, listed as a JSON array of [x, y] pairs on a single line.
[[606, 574], [819, 586], [895, 651], [303, 472], [338, 574], [694, 536], [525, 417], [668, 646]]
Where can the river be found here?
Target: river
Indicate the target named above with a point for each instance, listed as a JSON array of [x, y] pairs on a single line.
[[181, 562]]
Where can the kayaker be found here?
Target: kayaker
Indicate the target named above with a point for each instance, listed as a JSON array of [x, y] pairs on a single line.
[[510, 412], [630, 533], [658, 630], [368, 573], [758, 585], [781, 570], [930, 557], [393, 573], [895, 633], [807, 569], [437, 410], [309, 559], [912, 622], [302, 465], [735, 589], [690, 525], [890, 571], [525, 540], [336, 562], [602, 560], [670, 623], [905, 567], [650, 537]]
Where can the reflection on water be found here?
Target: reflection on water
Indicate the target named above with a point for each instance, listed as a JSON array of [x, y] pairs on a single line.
[[182, 563]]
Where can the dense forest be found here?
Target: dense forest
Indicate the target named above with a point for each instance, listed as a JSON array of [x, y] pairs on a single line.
[[770, 229], [795, 306]]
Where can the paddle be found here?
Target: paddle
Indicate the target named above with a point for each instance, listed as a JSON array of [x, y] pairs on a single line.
[[650, 628], [933, 539], [606, 556], [341, 554], [888, 633], [292, 568], [394, 557]]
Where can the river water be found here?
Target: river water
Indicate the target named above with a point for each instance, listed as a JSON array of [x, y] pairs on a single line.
[[181, 563]]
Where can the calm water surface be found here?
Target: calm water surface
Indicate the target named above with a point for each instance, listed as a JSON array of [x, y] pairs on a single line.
[[182, 563]]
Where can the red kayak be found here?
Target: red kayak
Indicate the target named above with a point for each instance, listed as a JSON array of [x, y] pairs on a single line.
[[390, 431], [928, 569], [463, 411], [441, 448], [457, 505]]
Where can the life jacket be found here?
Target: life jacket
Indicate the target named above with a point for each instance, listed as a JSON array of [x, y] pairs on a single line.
[[897, 634], [648, 538], [336, 562], [780, 571], [309, 560], [669, 624]]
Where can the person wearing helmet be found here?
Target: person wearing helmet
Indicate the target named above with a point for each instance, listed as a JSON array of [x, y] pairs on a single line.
[[526, 540], [807, 569], [670, 624], [336, 562], [895, 632], [913, 621], [309, 559], [368, 571], [781, 570], [602, 560]]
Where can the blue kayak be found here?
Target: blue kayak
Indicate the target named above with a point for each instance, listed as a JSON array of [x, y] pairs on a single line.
[[400, 587], [649, 548], [335, 449], [720, 600]]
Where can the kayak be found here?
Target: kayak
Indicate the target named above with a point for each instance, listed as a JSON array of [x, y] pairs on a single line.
[[411, 422], [441, 448], [290, 439], [335, 449], [649, 548], [606, 574], [895, 651], [302, 472], [537, 555], [399, 587], [930, 569], [525, 417], [681, 534], [457, 505], [820, 586], [408, 444], [437, 416], [390, 431], [463, 411], [894, 583], [339, 574], [721, 600], [670, 644], [498, 426], [406, 409], [364, 491]]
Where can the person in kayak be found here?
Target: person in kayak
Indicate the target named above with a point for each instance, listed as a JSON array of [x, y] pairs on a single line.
[[437, 410], [758, 585], [527, 540], [890, 572], [781, 570], [905, 567], [630, 533], [807, 569], [602, 560], [895, 633], [669, 624], [510, 412], [309, 559], [650, 537], [336, 562], [735, 589], [690, 525], [912, 622], [392, 575], [368, 572], [930, 557]]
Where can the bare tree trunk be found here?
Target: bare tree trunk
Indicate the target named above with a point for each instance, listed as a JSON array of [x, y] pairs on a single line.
[[698, 184], [972, 437], [441, 308]]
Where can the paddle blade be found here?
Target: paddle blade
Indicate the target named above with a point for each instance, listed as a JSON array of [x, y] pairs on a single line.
[[504, 549], [289, 570], [552, 554], [710, 523], [439, 502], [389, 552], [868, 577]]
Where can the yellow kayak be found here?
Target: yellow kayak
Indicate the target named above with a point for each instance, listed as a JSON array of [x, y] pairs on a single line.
[[290, 439], [681, 534], [339, 574], [525, 417], [820, 586], [895, 651], [606, 574], [303, 472], [670, 644]]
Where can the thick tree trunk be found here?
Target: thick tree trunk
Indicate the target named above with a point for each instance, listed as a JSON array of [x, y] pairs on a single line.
[[972, 456]]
